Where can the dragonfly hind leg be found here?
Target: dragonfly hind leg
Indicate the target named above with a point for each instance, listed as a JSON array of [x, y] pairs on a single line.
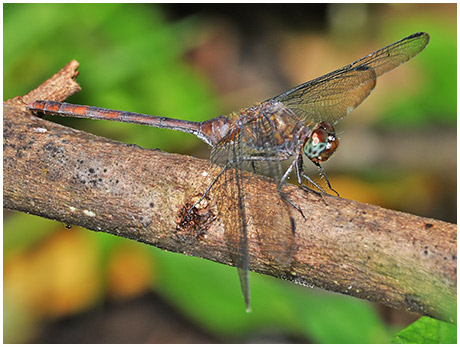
[[189, 212], [300, 175], [284, 197]]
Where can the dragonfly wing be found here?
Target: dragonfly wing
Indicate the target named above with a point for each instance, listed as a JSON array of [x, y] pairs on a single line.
[[331, 97], [275, 230], [251, 146], [260, 139], [232, 211]]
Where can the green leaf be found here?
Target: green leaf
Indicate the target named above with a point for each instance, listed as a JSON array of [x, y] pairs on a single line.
[[427, 330]]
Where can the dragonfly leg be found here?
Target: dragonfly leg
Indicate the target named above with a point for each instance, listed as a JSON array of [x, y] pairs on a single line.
[[283, 196], [301, 175], [286, 174], [208, 189], [292, 204], [326, 179], [282, 181]]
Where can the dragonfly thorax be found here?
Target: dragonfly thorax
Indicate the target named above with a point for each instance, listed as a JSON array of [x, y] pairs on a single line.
[[322, 142]]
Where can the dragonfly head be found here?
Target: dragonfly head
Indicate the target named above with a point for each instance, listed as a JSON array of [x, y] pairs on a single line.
[[322, 143]]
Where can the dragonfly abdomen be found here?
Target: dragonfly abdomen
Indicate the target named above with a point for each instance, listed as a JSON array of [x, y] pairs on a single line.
[[91, 112]]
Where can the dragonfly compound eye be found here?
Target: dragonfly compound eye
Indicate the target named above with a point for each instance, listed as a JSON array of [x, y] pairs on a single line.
[[322, 143]]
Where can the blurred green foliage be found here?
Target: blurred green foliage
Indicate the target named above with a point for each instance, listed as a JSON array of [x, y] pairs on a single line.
[[212, 296], [131, 58], [435, 101]]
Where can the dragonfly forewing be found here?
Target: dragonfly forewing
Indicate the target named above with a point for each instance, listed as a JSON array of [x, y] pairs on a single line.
[[332, 96]]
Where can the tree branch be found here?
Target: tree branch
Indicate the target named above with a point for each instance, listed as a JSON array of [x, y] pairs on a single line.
[[400, 260]]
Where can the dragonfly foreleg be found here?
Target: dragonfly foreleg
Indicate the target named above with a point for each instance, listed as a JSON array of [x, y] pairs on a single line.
[[300, 175], [326, 179]]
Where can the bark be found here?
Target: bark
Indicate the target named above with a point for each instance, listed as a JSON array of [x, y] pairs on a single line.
[[400, 260]]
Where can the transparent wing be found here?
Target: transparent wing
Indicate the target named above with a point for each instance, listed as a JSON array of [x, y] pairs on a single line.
[[231, 207], [266, 137], [331, 97], [252, 146], [275, 231], [232, 212]]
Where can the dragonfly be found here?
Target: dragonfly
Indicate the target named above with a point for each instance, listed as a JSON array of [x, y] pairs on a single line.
[[282, 130]]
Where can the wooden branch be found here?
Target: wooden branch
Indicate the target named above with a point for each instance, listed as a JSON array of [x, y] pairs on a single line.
[[57, 88], [400, 260]]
